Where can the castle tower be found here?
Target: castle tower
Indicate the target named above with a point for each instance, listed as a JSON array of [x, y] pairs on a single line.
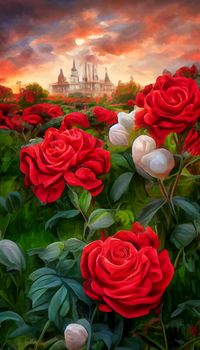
[[85, 75], [74, 78], [94, 73], [61, 77], [107, 79]]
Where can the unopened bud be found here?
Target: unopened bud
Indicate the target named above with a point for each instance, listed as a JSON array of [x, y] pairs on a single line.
[[75, 336], [118, 135], [142, 145], [158, 163]]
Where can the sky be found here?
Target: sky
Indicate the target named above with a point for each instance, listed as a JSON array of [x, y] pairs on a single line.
[[130, 37]]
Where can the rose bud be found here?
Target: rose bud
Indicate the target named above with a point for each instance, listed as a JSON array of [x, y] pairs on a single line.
[[126, 119], [142, 145], [158, 163], [118, 135], [75, 336]]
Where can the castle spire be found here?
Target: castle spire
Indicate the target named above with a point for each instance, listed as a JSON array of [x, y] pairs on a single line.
[[61, 77], [107, 79]]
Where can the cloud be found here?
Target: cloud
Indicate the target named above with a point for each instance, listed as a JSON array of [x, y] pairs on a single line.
[[149, 35]]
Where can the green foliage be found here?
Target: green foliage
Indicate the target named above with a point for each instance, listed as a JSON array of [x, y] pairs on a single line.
[[126, 91], [42, 289]]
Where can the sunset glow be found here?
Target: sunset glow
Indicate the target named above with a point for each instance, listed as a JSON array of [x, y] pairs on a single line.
[[130, 38]]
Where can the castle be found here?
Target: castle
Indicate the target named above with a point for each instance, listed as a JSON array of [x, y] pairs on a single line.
[[90, 85]]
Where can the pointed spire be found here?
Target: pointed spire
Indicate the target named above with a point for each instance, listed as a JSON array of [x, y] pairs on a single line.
[[107, 79], [74, 66], [61, 77]]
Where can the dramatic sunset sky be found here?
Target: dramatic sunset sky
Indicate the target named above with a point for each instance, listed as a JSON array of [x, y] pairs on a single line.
[[129, 37]]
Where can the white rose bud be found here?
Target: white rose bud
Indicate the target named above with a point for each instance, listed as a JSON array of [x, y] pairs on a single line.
[[75, 336], [158, 163], [126, 119], [142, 145], [118, 135]]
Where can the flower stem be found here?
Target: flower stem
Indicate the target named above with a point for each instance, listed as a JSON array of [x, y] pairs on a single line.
[[46, 326], [164, 334]]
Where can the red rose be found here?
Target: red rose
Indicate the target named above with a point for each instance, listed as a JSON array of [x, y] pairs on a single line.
[[104, 115], [71, 156], [140, 98], [7, 108], [33, 119], [187, 72], [131, 103], [126, 273], [75, 118], [172, 105], [44, 110], [192, 142], [14, 123]]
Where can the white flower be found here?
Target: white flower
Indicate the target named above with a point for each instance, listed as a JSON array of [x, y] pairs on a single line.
[[158, 163], [118, 135], [126, 119], [75, 336], [142, 145]]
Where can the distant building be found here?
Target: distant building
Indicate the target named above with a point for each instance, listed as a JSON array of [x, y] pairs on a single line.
[[90, 85]]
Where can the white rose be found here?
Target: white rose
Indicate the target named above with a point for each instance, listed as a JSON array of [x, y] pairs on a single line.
[[75, 336], [118, 135]]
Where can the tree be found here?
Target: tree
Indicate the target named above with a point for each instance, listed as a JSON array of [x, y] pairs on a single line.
[[126, 91], [5, 93], [33, 93]]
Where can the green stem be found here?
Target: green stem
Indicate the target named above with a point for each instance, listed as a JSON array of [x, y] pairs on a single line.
[[177, 258], [163, 189], [164, 335], [190, 342], [152, 342], [46, 326], [93, 314]]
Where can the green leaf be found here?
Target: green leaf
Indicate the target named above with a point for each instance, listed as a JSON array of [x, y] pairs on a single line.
[[189, 305], [100, 218], [52, 251], [183, 235], [40, 296], [60, 215], [83, 322], [102, 332], [55, 123], [118, 331], [74, 245], [58, 345], [120, 186], [49, 281], [11, 255], [73, 198], [56, 303], [84, 201], [41, 272], [149, 210], [119, 161], [77, 289], [191, 208], [10, 316]]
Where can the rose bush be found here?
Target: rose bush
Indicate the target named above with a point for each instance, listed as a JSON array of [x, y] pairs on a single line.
[[126, 273]]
